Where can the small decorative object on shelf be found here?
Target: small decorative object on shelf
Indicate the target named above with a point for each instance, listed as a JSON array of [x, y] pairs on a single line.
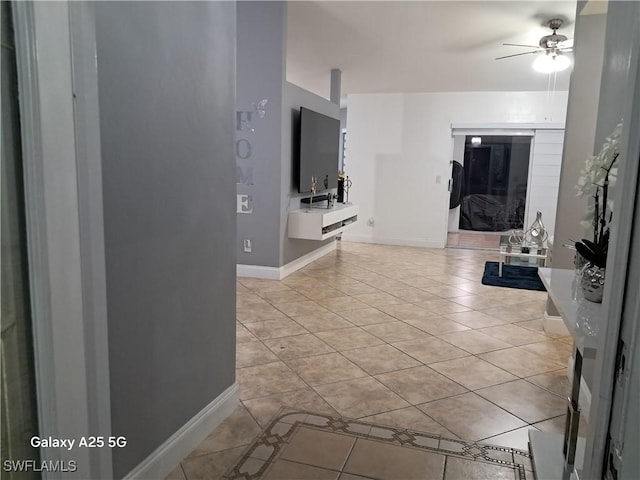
[[341, 177], [347, 187], [331, 200], [533, 237], [592, 283], [516, 237], [579, 262], [587, 323], [536, 234], [599, 173], [314, 185]]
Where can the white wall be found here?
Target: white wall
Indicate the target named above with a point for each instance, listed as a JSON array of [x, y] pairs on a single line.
[[580, 135], [400, 146], [546, 163]]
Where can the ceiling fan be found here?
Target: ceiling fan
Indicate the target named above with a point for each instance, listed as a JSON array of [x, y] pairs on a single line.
[[552, 47]]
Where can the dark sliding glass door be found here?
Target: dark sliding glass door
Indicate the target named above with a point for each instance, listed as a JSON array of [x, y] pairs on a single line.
[[494, 186]]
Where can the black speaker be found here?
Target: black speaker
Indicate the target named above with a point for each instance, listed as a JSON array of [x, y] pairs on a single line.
[[340, 190]]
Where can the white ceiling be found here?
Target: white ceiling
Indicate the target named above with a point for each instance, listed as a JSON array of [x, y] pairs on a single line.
[[420, 46]]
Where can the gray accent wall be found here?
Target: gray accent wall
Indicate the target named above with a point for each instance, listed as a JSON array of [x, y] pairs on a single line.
[[260, 76], [167, 83], [295, 97], [580, 132], [261, 56]]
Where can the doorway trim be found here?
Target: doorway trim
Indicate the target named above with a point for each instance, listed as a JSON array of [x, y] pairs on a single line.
[[66, 255]]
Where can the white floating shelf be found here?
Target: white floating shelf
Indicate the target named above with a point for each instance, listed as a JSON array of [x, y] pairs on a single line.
[[321, 223]]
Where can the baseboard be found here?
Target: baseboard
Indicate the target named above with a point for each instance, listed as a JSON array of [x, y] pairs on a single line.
[[165, 458], [554, 324], [404, 242], [278, 273], [305, 260], [258, 271]]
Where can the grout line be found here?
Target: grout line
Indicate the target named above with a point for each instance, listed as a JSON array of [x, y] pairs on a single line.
[[251, 414], [182, 469], [243, 446], [504, 409], [545, 388], [346, 460], [297, 462], [509, 431], [444, 467]]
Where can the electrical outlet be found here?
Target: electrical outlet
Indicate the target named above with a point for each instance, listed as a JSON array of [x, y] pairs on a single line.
[[247, 245]]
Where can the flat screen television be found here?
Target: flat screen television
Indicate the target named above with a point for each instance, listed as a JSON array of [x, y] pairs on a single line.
[[318, 151]]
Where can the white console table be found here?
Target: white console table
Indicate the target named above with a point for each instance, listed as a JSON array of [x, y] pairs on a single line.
[[321, 223], [507, 250], [556, 456]]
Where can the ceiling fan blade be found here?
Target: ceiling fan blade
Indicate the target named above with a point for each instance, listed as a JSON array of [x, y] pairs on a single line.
[[520, 45], [566, 44], [517, 55]]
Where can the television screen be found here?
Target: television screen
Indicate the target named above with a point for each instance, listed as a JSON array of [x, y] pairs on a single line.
[[319, 151]]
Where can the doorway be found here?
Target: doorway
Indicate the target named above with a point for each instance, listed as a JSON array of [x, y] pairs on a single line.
[[494, 183], [490, 186]]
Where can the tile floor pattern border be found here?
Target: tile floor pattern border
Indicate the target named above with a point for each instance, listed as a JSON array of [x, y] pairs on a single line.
[[265, 450]]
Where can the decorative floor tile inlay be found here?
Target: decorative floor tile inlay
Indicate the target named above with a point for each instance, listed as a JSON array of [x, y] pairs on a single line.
[[268, 447]]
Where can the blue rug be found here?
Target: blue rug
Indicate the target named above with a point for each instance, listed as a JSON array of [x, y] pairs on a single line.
[[513, 276]]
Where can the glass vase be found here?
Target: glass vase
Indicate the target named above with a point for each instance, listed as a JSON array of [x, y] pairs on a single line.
[[579, 262], [592, 282]]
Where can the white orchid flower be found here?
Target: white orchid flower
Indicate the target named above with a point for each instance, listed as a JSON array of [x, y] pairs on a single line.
[[600, 173]]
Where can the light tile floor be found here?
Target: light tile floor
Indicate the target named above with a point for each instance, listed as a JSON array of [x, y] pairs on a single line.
[[399, 336], [472, 239], [299, 445]]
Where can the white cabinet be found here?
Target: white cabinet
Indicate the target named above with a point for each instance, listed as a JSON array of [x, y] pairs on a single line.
[[556, 456], [321, 223]]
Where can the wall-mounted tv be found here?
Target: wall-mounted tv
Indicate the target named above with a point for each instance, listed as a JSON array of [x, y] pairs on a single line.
[[319, 151]]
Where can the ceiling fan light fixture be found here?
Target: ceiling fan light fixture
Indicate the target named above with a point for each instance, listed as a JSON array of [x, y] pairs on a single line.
[[562, 62], [549, 63]]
